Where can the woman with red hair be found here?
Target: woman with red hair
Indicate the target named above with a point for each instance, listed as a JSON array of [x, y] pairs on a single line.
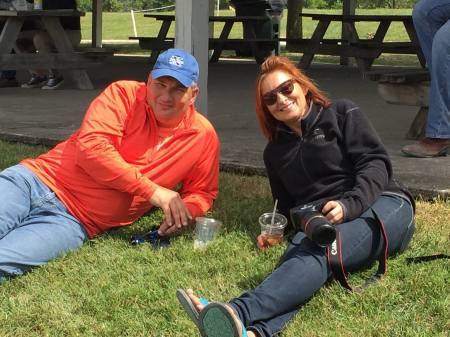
[[318, 153]]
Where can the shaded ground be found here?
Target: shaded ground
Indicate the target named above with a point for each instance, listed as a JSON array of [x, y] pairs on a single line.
[[45, 116]]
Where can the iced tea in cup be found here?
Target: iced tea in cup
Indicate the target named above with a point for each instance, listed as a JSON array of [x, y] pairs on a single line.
[[272, 230]]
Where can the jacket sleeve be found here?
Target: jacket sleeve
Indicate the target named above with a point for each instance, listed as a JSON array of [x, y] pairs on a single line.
[[99, 137], [372, 167], [201, 186]]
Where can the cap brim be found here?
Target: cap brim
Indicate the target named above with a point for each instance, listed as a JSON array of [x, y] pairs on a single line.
[[184, 80]]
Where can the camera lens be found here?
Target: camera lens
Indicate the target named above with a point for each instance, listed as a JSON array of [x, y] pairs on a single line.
[[319, 229], [322, 232]]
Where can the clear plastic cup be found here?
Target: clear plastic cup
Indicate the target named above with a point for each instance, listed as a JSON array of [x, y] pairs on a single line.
[[205, 231], [272, 231]]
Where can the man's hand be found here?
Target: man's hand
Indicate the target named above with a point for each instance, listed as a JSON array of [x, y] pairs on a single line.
[[333, 212], [176, 214]]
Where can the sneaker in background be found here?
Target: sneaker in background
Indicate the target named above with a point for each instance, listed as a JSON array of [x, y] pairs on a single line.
[[8, 83], [35, 82], [53, 83]]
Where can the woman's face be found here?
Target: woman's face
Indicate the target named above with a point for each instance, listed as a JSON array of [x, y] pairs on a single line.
[[284, 98]]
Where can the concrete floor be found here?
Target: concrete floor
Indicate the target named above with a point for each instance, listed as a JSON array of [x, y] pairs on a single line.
[[46, 116]]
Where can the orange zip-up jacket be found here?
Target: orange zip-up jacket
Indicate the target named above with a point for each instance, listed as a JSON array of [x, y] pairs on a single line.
[[106, 172]]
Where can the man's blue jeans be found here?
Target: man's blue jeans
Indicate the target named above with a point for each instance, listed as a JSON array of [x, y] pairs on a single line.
[[35, 227], [432, 23], [303, 269]]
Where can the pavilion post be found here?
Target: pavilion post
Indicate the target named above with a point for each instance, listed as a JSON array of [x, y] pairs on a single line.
[[97, 6], [191, 34], [348, 8]]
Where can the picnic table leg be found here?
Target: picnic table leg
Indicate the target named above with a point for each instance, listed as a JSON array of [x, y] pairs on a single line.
[[379, 37], [415, 40], [165, 26], [317, 36], [417, 129], [9, 34], [63, 45], [221, 41], [363, 63]]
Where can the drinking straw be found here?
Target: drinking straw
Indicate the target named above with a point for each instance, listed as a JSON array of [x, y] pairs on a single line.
[[274, 211]]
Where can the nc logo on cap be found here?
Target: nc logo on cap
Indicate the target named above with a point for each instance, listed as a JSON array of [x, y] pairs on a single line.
[[177, 61]]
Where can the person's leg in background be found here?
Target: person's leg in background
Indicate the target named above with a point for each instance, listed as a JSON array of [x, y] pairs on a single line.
[[432, 23], [35, 227], [44, 44], [25, 44], [438, 119]]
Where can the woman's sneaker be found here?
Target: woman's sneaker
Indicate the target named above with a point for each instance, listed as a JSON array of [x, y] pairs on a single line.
[[35, 82], [53, 82]]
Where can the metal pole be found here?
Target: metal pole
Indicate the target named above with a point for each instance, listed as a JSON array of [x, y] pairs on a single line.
[[134, 23]]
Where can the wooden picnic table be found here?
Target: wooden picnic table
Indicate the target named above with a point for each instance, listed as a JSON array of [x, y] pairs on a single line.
[[364, 50], [217, 45], [65, 58]]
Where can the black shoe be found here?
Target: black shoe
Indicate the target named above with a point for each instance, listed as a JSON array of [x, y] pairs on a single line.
[[53, 83], [35, 82]]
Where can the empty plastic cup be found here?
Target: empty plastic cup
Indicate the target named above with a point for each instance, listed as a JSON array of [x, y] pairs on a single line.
[[205, 231]]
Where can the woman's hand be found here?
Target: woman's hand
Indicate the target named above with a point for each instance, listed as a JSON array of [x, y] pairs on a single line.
[[261, 243], [334, 212]]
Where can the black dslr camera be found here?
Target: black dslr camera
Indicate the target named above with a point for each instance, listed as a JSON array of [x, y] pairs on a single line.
[[309, 219]]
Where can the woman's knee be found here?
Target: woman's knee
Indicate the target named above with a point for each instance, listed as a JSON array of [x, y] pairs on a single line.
[[398, 223]]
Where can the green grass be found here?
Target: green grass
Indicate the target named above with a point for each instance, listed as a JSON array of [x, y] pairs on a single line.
[[118, 26], [110, 288]]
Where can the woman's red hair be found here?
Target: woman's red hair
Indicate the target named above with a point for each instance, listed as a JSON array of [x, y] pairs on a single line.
[[280, 63]]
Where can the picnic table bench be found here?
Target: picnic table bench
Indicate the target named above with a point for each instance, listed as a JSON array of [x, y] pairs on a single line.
[[217, 45], [364, 50], [406, 87], [72, 61]]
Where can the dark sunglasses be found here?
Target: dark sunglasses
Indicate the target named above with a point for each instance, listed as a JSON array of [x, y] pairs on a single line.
[[285, 88]]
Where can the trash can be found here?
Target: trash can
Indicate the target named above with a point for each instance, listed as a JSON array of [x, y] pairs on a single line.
[[263, 30]]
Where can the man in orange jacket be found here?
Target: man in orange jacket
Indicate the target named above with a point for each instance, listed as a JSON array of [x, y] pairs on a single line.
[[140, 145]]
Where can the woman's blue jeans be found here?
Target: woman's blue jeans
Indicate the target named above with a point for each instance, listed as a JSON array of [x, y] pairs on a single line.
[[303, 270], [432, 23], [35, 227]]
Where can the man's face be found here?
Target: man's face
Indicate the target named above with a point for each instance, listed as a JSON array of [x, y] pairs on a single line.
[[169, 99]]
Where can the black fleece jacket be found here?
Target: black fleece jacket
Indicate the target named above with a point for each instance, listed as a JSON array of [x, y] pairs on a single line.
[[339, 156]]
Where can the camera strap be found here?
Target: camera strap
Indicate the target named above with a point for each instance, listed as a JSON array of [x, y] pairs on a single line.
[[334, 257]]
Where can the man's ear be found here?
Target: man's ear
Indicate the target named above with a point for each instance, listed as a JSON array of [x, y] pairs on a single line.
[[195, 91]]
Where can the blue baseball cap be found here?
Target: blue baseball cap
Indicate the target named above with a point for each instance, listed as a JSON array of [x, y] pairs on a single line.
[[178, 64]]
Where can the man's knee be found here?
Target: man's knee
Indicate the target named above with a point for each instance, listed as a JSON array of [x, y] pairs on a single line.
[[441, 39]]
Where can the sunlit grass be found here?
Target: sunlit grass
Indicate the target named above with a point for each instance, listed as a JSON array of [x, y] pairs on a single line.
[[110, 288]]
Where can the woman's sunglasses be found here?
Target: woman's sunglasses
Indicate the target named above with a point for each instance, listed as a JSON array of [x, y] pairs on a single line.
[[285, 88]]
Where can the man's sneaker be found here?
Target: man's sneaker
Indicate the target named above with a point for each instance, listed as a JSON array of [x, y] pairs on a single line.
[[53, 82], [35, 82]]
